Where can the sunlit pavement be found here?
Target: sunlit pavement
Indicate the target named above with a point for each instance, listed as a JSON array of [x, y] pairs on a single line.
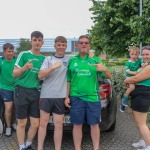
[[121, 139]]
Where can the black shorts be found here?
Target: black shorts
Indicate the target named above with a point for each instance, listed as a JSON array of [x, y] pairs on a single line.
[[26, 102], [140, 98], [53, 105]]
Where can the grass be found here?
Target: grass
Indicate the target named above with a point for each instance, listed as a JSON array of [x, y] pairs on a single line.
[[120, 62]]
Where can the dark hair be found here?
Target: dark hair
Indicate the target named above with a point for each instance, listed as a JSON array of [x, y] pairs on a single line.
[[61, 39], [83, 36], [146, 47], [8, 46], [36, 34]]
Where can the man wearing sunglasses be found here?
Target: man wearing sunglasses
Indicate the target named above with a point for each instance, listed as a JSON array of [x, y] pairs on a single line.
[[83, 92], [26, 91]]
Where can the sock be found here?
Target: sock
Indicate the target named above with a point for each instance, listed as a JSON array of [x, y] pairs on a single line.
[[125, 96], [28, 143], [21, 146], [141, 141], [148, 147]]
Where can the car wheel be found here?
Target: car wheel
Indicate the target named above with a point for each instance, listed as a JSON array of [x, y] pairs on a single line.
[[2, 121], [112, 127]]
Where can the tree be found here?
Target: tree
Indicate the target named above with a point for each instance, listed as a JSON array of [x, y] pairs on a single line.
[[140, 24], [117, 25], [24, 45]]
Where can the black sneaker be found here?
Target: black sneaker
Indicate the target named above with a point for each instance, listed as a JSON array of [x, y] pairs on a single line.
[[29, 148]]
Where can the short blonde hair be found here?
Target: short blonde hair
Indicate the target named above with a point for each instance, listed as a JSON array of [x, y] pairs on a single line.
[[134, 48]]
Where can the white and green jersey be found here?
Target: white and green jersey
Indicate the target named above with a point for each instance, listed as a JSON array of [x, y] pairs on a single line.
[[29, 78], [132, 66], [82, 76]]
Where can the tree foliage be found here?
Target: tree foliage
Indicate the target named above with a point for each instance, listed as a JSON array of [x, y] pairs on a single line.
[[24, 45], [117, 24]]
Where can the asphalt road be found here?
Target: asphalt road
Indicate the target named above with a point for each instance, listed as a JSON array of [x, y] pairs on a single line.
[[120, 139]]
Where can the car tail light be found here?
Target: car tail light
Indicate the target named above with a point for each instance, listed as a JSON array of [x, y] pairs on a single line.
[[105, 91]]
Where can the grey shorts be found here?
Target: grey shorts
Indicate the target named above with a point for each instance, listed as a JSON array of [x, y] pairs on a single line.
[[53, 105]]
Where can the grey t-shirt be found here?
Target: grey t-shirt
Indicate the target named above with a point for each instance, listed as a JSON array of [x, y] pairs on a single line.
[[55, 84]]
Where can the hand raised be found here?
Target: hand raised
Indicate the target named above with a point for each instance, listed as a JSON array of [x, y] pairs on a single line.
[[100, 67], [56, 65], [28, 65], [91, 54]]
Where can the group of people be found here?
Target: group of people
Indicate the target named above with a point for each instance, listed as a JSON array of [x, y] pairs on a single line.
[[64, 84], [64, 79]]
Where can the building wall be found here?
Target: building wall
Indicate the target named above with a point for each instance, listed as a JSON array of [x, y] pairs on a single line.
[[48, 45]]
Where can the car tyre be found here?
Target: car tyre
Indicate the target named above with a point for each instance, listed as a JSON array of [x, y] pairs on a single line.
[[112, 127], [2, 120]]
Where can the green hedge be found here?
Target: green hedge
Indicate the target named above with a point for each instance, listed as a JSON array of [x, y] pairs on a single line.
[[118, 77], [120, 62]]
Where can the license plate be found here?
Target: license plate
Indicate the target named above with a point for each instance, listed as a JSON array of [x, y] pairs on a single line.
[[66, 119]]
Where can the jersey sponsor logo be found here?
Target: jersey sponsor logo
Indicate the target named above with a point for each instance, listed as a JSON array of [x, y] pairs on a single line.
[[83, 72], [35, 70]]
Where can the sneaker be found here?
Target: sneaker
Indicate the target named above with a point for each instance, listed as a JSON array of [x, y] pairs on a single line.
[[8, 132], [145, 148], [23, 149], [29, 148], [122, 108], [125, 101], [140, 143], [14, 126]]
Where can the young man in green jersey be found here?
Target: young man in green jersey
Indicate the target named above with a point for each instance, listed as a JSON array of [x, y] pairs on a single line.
[[26, 99], [7, 83], [83, 92]]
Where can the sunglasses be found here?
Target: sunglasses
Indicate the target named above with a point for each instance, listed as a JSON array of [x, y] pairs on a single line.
[[81, 43], [146, 47]]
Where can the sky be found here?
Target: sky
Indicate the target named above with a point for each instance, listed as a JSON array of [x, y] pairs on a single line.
[[70, 18]]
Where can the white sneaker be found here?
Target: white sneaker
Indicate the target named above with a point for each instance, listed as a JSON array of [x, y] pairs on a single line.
[[140, 143], [8, 132], [14, 126], [145, 148]]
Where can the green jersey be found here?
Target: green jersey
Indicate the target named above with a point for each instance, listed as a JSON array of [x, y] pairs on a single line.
[[144, 82], [82, 76], [7, 81], [132, 66], [29, 78]]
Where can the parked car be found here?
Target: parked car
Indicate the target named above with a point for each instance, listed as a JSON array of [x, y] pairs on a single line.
[[2, 118], [108, 113]]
